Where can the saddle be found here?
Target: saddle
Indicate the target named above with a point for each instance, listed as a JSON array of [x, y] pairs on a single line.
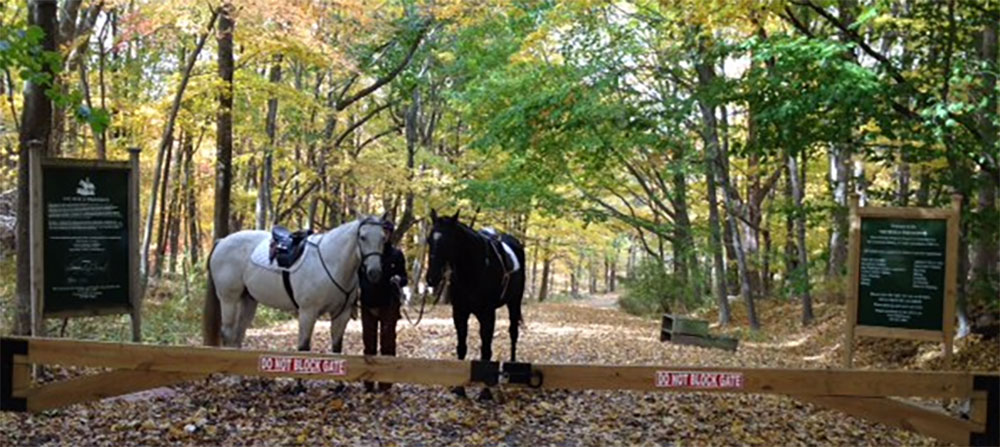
[[287, 246], [500, 250]]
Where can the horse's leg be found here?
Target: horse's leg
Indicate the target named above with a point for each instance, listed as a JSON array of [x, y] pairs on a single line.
[[230, 320], [338, 325], [487, 322], [514, 297], [248, 307], [461, 318], [514, 310], [307, 321]]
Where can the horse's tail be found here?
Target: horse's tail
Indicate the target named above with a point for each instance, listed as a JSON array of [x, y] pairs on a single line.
[[211, 318], [518, 278]]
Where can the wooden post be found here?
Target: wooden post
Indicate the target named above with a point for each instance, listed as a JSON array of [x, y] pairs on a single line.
[[36, 234], [853, 273], [136, 289], [951, 277]]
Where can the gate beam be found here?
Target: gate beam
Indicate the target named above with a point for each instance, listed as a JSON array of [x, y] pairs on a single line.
[[861, 393]]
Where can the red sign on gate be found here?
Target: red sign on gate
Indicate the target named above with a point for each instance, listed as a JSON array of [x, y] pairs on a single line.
[[302, 365], [699, 380]]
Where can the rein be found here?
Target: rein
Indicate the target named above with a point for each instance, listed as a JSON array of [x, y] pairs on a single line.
[[357, 235], [423, 301]]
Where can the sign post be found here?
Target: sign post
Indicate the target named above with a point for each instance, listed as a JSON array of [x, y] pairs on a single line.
[[902, 272], [84, 239]]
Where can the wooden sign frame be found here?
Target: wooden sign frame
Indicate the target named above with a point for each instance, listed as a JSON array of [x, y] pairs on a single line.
[[946, 334], [37, 161]]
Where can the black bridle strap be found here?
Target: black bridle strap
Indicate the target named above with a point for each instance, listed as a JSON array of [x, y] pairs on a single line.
[[327, 269], [322, 262]]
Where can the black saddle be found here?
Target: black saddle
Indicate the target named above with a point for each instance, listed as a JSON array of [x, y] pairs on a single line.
[[287, 246], [496, 246]]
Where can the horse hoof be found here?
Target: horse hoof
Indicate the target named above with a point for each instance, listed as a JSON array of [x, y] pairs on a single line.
[[459, 391], [486, 395]]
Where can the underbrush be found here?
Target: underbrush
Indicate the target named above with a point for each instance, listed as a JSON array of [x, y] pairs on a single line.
[[171, 311], [653, 291]]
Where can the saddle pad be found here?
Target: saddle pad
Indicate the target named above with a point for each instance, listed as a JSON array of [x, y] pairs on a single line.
[[512, 256], [262, 253]]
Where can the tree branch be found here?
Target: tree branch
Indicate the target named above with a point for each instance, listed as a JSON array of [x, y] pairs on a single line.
[[343, 104], [371, 114]]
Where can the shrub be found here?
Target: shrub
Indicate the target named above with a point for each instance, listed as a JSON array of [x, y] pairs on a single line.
[[654, 290]]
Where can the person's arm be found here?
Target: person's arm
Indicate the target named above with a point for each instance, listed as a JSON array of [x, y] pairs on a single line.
[[400, 270]]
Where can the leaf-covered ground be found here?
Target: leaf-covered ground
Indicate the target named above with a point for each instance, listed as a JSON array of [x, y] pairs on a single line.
[[233, 411]]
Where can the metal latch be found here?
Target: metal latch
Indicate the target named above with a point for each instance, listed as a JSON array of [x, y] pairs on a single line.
[[493, 373]]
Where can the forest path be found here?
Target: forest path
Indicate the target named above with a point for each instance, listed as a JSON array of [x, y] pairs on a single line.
[[228, 411]]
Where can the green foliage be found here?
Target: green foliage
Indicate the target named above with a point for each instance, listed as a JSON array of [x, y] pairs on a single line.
[[654, 290]]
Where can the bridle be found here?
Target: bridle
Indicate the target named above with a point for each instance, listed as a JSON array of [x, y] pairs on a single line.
[[357, 237], [438, 291]]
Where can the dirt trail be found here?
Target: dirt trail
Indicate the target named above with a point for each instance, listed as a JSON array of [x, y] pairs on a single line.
[[601, 301]]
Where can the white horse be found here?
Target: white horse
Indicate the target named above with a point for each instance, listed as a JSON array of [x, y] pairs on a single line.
[[322, 280]]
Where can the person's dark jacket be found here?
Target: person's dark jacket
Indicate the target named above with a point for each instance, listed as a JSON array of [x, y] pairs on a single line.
[[384, 292]]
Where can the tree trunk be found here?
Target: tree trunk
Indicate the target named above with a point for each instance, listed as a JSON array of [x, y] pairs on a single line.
[[741, 255], [791, 252], [706, 75], [411, 125], [765, 271], [194, 241], [532, 291], [985, 277], [165, 142], [860, 182], [36, 126], [543, 290], [802, 283], [607, 274], [161, 227], [224, 125], [837, 265], [574, 275], [613, 274], [264, 202], [684, 246], [924, 190], [902, 182], [174, 217]]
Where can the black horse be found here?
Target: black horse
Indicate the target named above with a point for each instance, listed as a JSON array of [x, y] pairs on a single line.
[[481, 280]]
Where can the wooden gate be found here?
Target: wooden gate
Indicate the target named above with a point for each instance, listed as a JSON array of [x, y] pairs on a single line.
[[862, 393]]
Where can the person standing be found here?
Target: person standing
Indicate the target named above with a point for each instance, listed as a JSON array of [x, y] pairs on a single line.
[[380, 302]]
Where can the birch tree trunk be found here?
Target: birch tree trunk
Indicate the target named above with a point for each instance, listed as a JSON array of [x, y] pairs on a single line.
[[838, 231], [706, 76], [802, 283]]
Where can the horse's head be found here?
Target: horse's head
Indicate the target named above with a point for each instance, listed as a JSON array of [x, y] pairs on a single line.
[[371, 238], [442, 242]]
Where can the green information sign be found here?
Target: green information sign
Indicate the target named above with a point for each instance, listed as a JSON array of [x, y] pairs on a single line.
[[86, 239], [902, 276]]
